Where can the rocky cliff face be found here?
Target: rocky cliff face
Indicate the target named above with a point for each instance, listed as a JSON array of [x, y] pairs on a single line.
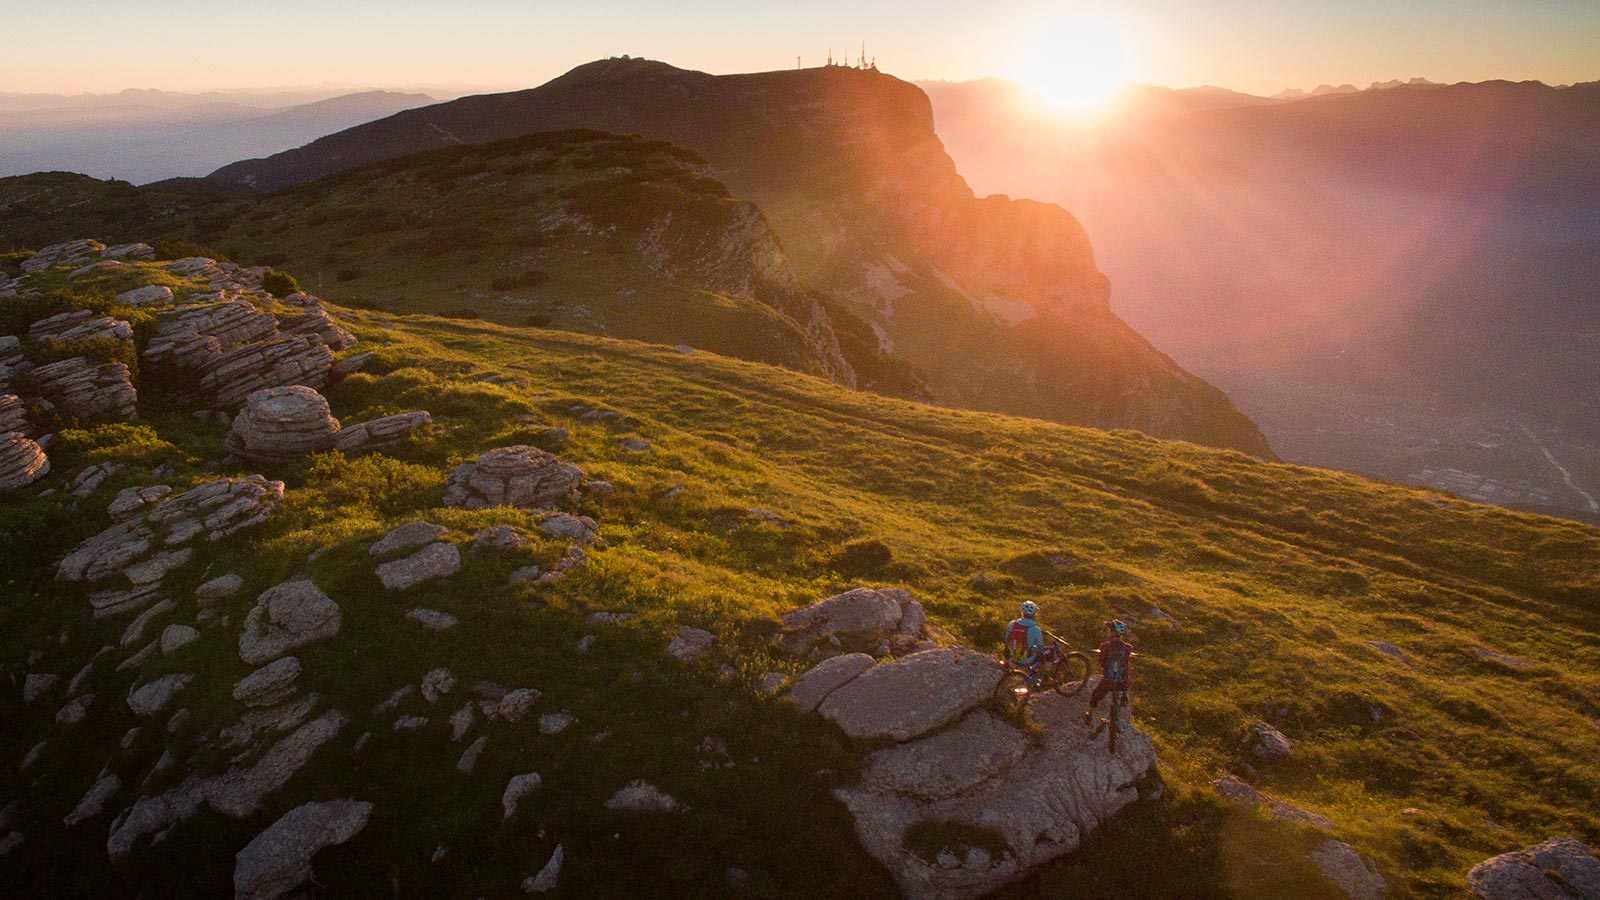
[[846, 166]]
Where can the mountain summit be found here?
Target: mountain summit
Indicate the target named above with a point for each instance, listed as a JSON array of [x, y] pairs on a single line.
[[999, 301]]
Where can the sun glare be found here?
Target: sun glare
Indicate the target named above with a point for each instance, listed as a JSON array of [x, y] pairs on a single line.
[[1075, 61]]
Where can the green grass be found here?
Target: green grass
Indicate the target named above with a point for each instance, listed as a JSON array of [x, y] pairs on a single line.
[[1275, 576]]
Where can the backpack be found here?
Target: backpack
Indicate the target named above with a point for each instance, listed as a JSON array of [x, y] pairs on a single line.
[[1114, 662], [1017, 641]]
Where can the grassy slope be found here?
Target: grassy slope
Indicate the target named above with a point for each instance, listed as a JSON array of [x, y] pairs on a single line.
[[1275, 576]]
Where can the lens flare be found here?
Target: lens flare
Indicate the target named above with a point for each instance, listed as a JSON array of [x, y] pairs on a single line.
[[1075, 61]]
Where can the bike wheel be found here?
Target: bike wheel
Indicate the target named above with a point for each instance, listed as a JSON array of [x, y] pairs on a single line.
[[1071, 674], [1012, 693]]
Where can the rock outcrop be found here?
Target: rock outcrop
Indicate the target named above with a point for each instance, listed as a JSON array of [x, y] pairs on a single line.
[[278, 860], [21, 462], [282, 424], [63, 254], [1557, 869], [85, 389], [912, 695], [857, 619], [437, 560], [959, 813], [1348, 871], [290, 615], [519, 475], [380, 432], [145, 543]]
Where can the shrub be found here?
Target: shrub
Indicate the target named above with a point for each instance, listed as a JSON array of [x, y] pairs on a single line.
[[861, 558], [279, 284]]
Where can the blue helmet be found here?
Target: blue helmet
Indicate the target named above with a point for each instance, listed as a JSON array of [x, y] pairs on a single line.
[[1117, 625], [1029, 609]]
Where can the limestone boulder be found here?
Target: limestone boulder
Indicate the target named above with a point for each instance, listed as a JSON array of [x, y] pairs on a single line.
[[62, 254], [520, 476], [14, 415], [85, 389], [213, 510], [409, 536], [129, 251], [436, 560], [1032, 801], [290, 615], [642, 796], [1347, 870], [380, 432], [270, 684], [278, 860], [149, 295], [316, 321], [21, 462], [282, 424], [814, 686], [690, 643], [912, 695], [1557, 869], [859, 619], [80, 325]]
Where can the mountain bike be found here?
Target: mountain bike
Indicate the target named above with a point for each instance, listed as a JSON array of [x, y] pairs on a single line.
[[1119, 698], [1059, 669]]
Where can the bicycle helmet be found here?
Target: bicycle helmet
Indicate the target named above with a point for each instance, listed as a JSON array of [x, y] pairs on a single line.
[[1029, 609], [1118, 626]]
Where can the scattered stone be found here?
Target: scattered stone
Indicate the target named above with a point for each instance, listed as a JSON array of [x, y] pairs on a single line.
[[155, 568], [520, 786], [1557, 869], [89, 480], [33, 755], [11, 841], [136, 628], [240, 792], [584, 643], [176, 637], [432, 619], [1390, 650], [515, 705], [548, 876], [290, 615], [22, 462], [1339, 862], [520, 476], [34, 686], [1265, 742], [436, 684], [690, 644], [149, 295], [912, 695], [500, 537], [381, 432], [129, 251], [315, 321], [469, 759], [1232, 788], [576, 528], [282, 424], [13, 411], [151, 698], [1503, 659], [410, 723], [433, 561], [641, 796], [94, 802], [154, 814], [859, 619], [270, 684], [606, 618], [80, 325], [259, 722], [524, 575], [393, 701], [461, 722], [114, 603], [278, 860], [555, 723], [217, 589], [144, 655], [409, 536], [635, 445], [822, 679], [772, 682]]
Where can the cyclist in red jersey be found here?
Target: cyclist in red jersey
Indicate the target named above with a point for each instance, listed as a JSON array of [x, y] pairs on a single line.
[[1116, 656]]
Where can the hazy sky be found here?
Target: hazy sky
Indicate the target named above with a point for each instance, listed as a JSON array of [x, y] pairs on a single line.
[[1262, 47]]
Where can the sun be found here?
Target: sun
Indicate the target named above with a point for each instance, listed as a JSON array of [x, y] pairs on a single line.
[[1075, 61]]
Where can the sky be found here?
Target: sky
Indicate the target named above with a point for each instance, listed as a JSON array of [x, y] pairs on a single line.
[[92, 45]]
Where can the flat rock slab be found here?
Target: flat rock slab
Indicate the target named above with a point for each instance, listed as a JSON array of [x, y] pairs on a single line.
[[858, 618], [409, 536], [1348, 871], [1557, 869], [433, 561], [825, 677], [290, 615], [1039, 800], [278, 860], [912, 695]]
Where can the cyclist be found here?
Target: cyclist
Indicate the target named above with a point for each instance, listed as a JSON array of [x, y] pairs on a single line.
[[1115, 656], [1025, 641]]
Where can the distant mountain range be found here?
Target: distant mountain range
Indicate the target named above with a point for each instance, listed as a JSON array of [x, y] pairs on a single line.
[[143, 136], [1400, 281], [998, 302]]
